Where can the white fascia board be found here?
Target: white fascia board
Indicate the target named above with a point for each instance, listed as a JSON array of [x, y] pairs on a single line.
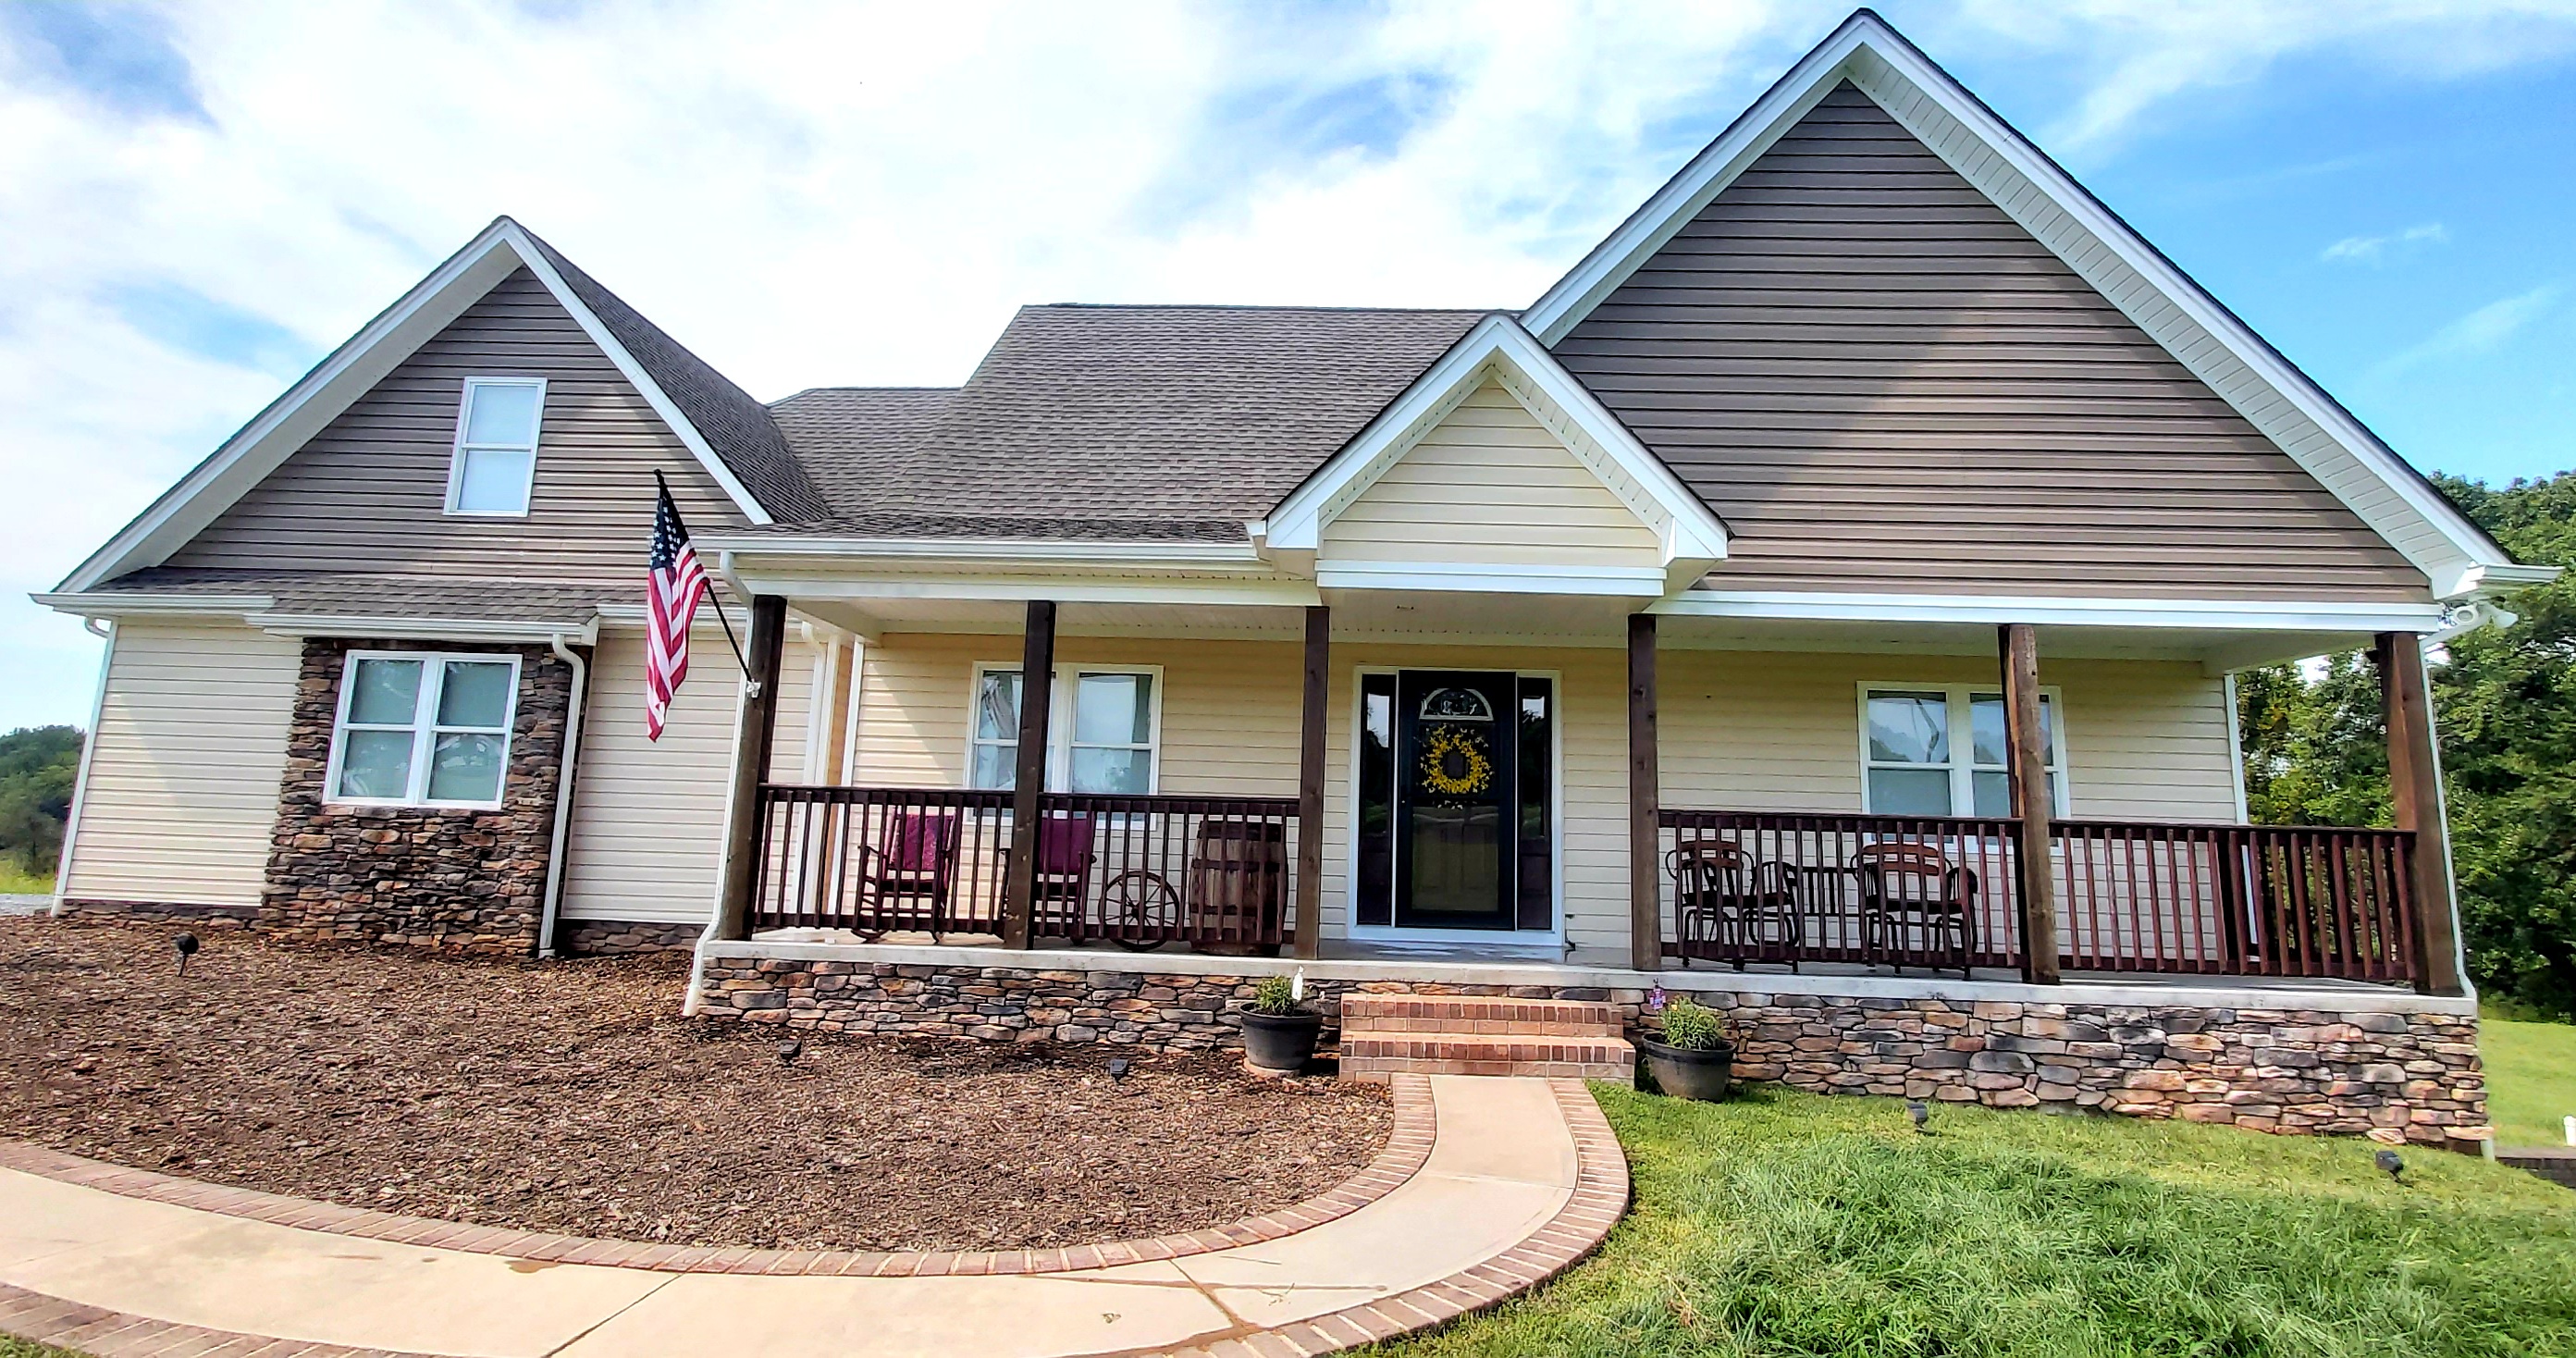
[[922, 552], [521, 630], [1070, 589], [2479, 582], [617, 353], [153, 605], [351, 371], [1499, 346], [634, 615], [2284, 403], [1631, 582], [2204, 614]]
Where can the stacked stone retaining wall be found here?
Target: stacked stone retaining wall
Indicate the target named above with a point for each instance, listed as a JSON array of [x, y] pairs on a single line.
[[2389, 1073]]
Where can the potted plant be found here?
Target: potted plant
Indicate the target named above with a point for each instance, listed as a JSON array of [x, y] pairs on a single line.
[[1694, 1057], [1279, 1031]]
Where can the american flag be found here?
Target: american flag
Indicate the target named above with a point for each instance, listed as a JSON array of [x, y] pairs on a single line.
[[675, 583]]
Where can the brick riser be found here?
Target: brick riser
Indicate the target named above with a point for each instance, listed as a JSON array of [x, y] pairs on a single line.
[[1387, 1035]]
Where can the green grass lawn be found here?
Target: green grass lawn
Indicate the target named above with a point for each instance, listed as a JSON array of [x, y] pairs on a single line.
[[2531, 1080], [1784, 1223], [16, 881], [11, 1347]]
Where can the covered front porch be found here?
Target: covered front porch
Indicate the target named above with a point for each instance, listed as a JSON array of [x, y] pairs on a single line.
[[1643, 789]]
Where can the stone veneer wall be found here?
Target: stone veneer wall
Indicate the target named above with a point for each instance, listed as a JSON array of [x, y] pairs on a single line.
[[614, 937], [2394, 1075], [462, 879]]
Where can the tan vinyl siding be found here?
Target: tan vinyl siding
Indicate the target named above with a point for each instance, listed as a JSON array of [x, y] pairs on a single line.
[[1489, 484], [1740, 731], [369, 492], [1747, 731], [183, 785], [1230, 708], [647, 833], [1230, 725], [1884, 383]]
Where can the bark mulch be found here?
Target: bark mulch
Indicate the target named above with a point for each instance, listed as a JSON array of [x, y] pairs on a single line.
[[569, 1096]]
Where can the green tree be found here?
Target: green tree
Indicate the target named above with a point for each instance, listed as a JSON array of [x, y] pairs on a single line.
[[2504, 704], [38, 766]]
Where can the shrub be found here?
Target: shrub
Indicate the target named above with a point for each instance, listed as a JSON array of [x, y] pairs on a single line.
[[1690, 1024]]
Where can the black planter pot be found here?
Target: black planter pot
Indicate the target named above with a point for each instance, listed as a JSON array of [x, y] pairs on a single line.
[[1280, 1041], [1689, 1072]]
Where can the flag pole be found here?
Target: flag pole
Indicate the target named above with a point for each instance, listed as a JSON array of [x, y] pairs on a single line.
[[706, 588]]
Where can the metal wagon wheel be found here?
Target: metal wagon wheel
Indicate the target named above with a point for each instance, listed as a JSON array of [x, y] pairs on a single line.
[[1140, 901]]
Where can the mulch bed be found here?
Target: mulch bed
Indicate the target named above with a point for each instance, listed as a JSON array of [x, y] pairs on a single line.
[[569, 1096]]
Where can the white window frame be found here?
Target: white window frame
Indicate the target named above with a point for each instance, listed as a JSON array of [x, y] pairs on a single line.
[[1060, 743], [1963, 767], [459, 452], [423, 726]]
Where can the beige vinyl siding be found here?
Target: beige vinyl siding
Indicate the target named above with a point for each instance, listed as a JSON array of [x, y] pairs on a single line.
[[1230, 708], [1489, 484], [369, 492], [1884, 383], [183, 783], [1748, 731], [1230, 726], [647, 835]]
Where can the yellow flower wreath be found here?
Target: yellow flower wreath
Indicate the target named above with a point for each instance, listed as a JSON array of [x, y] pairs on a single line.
[[1476, 776]]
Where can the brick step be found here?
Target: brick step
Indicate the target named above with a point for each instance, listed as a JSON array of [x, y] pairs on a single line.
[[1373, 1056], [1478, 1014]]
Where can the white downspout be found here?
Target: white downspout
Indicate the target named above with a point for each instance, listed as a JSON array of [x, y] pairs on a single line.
[[563, 791], [80, 781]]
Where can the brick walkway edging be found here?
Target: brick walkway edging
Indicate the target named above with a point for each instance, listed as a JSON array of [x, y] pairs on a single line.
[[1408, 1144], [1598, 1200], [1600, 1197]]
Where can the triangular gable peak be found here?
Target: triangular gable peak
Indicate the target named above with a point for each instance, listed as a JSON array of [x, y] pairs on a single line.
[[1499, 383], [2275, 397], [354, 369]]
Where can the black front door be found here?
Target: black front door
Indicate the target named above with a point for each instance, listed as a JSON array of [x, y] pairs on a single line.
[[1457, 758]]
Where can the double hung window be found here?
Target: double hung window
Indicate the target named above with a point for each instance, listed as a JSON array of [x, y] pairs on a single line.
[[1941, 751], [420, 729], [1105, 730]]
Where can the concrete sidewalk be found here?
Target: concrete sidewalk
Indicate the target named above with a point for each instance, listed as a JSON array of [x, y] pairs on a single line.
[[1522, 1179]]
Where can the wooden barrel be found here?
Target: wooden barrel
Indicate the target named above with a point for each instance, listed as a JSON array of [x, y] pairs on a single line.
[[1238, 886]]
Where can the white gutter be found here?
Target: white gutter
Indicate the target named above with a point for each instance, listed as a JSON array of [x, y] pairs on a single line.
[[986, 551], [80, 782], [563, 793], [109, 605]]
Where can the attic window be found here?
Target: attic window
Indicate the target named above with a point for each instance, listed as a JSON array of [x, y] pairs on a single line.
[[496, 445]]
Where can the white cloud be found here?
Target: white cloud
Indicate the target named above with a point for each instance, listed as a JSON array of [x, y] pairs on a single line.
[[816, 194], [2482, 331], [2372, 249]]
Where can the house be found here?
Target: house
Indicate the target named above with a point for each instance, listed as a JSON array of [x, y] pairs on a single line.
[[1824, 598]]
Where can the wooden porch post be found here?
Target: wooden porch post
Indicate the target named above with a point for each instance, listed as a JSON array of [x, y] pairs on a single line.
[[756, 730], [1037, 695], [1645, 803], [2026, 771], [1310, 783], [2415, 795]]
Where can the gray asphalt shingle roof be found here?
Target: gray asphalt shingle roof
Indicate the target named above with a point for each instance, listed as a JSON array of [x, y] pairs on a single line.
[[1128, 422], [734, 422]]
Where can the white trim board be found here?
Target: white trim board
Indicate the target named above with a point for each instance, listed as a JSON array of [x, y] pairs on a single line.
[[2270, 392], [1688, 532], [354, 369], [2199, 614]]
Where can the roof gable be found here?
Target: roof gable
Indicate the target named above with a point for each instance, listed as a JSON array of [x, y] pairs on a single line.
[[1688, 534], [366, 358], [1887, 385], [2284, 404]]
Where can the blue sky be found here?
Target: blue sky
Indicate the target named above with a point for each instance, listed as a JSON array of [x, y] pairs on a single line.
[[201, 200]]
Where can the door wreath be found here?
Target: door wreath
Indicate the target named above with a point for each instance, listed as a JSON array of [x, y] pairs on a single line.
[[1455, 762]]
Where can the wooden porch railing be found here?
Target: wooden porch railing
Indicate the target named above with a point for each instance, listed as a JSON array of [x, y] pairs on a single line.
[[2233, 900], [1213, 873]]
